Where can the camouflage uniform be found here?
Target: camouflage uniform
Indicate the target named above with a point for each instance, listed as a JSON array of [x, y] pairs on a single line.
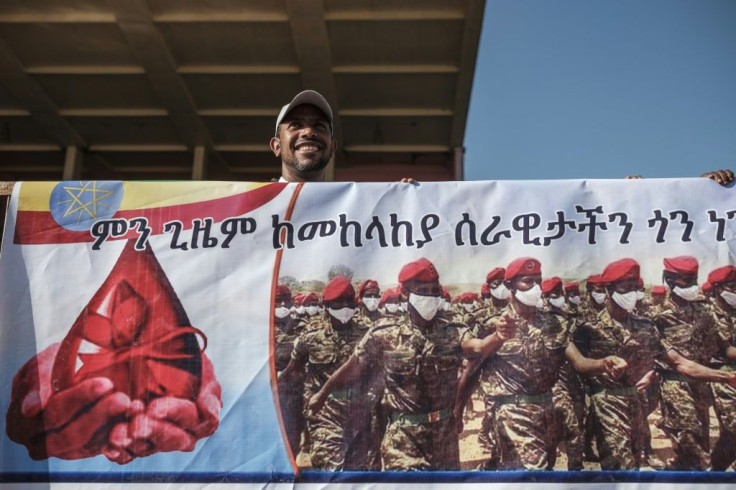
[[487, 437], [689, 330], [618, 410], [338, 432], [290, 391], [420, 369], [724, 397], [518, 380]]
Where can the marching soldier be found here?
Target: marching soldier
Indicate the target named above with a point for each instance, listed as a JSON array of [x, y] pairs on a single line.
[[572, 295], [369, 296]]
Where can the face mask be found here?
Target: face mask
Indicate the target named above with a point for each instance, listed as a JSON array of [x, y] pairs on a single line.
[[729, 298], [312, 310], [426, 306], [403, 306], [468, 307], [639, 295], [392, 307], [575, 300], [599, 298], [501, 292], [300, 310], [530, 297], [558, 302], [371, 304], [446, 305], [281, 312], [627, 301], [343, 315], [688, 294]]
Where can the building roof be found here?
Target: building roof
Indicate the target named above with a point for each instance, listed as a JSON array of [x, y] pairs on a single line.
[[138, 85]]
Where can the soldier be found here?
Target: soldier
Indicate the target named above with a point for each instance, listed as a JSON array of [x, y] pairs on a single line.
[[658, 294], [337, 434], [311, 305], [467, 305], [723, 282], [525, 353], [690, 338], [419, 356], [568, 395], [286, 331], [369, 296], [572, 295], [390, 302]]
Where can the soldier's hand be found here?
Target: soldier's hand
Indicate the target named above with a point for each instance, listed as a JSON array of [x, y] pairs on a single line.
[[645, 381], [316, 402], [507, 329], [723, 177], [457, 414], [732, 380], [615, 366]]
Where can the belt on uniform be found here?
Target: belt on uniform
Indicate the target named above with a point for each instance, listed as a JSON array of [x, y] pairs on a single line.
[[519, 399], [419, 418], [343, 394], [673, 376], [623, 391]]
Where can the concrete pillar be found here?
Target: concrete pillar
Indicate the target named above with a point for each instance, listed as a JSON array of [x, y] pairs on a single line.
[[199, 166], [73, 163], [459, 157]]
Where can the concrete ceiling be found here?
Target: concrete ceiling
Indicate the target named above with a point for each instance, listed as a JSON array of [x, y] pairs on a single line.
[[180, 89]]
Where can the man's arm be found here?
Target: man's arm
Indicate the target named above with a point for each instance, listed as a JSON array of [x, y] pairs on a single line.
[[352, 369], [723, 177], [613, 365], [697, 371]]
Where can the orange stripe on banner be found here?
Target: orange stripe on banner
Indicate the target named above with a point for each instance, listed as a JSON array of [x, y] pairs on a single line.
[[39, 227], [272, 338]]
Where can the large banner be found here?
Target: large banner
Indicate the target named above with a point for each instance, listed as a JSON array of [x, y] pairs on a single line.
[[212, 332]]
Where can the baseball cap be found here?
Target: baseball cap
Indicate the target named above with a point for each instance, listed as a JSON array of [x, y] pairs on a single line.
[[306, 97]]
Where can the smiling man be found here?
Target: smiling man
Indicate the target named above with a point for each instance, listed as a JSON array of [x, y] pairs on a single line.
[[303, 138]]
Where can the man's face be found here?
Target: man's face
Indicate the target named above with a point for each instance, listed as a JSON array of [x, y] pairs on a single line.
[[305, 141], [623, 287], [524, 283], [431, 288], [495, 283], [557, 292], [342, 302], [680, 280], [371, 293]]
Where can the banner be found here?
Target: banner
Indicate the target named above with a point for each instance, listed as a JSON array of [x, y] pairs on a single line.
[[385, 333]]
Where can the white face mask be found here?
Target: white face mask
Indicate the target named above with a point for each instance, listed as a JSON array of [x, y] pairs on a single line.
[[445, 305], [530, 297], [688, 294], [426, 306], [627, 301], [599, 298], [343, 315], [312, 310], [501, 292], [371, 304], [575, 300], [299, 310], [281, 312], [558, 302], [468, 307], [392, 307], [403, 306], [639, 295], [729, 298]]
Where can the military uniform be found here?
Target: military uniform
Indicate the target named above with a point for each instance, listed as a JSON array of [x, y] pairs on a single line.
[[518, 380], [690, 330], [420, 369], [290, 391], [337, 432], [618, 410], [724, 396]]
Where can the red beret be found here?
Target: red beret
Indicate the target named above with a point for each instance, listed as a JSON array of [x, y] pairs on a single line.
[[525, 266], [658, 291], [496, 273], [706, 287], [621, 270], [468, 297], [572, 286], [283, 292], [421, 270], [456, 298], [369, 284], [640, 282], [683, 264], [310, 298], [722, 274], [445, 293], [298, 298], [390, 295], [594, 280], [548, 285], [339, 287], [485, 290]]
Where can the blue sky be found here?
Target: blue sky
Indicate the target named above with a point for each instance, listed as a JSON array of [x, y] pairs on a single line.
[[603, 89]]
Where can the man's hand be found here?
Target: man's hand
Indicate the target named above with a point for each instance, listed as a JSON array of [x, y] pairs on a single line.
[[316, 402], [168, 423], [615, 366], [71, 424], [507, 329], [408, 180], [645, 381], [723, 177]]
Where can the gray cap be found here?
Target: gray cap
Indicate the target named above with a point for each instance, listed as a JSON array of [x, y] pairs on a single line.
[[306, 97]]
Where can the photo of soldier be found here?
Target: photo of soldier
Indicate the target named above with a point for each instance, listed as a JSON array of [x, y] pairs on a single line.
[[338, 434], [690, 338], [572, 295], [369, 297], [723, 282], [419, 356], [311, 305]]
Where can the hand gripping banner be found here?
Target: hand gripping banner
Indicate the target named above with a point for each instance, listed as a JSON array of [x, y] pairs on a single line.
[[212, 332]]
